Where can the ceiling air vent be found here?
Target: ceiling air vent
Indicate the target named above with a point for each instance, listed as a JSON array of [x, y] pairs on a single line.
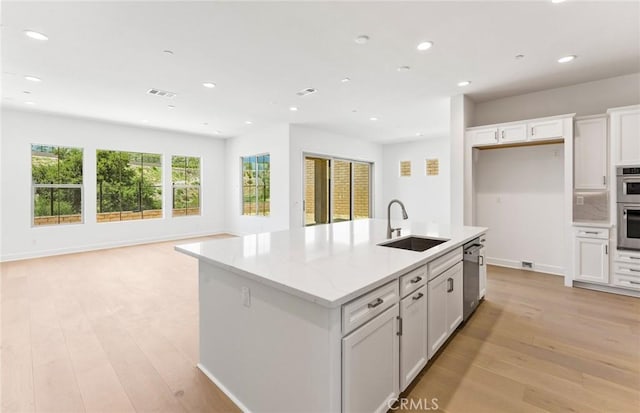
[[307, 91], [162, 93]]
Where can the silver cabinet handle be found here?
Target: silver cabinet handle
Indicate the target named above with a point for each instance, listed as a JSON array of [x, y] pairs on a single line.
[[481, 260], [604, 180], [375, 303], [606, 250], [417, 297], [450, 285], [495, 135], [399, 326], [633, 270], [503, 135], [591, 232], [634, 258], [416, 280], [634, 282], [532, 131]]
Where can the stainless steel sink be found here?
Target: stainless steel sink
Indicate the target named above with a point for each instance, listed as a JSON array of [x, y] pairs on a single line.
[[414, 243]]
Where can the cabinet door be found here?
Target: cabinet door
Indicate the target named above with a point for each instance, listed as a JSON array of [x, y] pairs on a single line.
[[592, 260], [437, 303], [545, 129], [370, 365], [414, 348], [455, 303], [625, 135], [483, 273], [513, 133], [590, 156], [487, 136]]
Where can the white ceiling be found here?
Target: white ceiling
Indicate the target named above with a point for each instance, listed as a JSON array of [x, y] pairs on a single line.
[[102, 57]]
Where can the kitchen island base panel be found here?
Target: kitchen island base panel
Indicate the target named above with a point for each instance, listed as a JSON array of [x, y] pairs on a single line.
[[280, 354]]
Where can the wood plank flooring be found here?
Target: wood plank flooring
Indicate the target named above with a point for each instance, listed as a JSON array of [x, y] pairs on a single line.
[[117, 331]]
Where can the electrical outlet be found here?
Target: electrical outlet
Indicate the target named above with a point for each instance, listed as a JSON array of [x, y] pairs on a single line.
[[579, 200], [246, 296], [527, 265]]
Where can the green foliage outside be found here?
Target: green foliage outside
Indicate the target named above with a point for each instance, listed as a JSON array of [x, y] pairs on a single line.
[[185, 174], [128, 181], [256, 185], [53, 165]]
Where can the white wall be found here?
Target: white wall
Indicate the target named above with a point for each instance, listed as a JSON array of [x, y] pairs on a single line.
[[520, 198], [461, 116], [309, 140], [274, 141], [20, 129], [589, 98], [426, 198]]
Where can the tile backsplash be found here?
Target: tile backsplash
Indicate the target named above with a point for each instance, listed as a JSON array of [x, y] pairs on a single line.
[[591, 206]]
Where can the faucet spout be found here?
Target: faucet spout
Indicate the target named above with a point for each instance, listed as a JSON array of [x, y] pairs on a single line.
[[404, 216]]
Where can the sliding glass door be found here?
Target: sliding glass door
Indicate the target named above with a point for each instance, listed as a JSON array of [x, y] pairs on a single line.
[[336, 190]]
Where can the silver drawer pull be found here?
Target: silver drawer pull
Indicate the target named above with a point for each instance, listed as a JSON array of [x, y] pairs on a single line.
[[375, 303], [633, 270], [591, 232], [634, 282], [634, 258], [416, 280], [418, 296]]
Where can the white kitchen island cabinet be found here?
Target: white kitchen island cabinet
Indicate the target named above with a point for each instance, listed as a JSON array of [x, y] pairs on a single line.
[[311, 319]]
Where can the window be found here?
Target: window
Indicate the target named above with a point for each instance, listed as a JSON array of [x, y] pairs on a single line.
[[256, 188], [433, 167], [56, 175], [185, 175], [336, 190], [405, 168], [129, 186]]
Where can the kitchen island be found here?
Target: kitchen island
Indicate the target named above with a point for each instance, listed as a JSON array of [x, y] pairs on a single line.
[[313, 319]]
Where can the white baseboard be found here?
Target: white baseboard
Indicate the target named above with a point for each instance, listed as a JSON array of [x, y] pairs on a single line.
[[606, 289], [222, 387], [544, 268], [102, 246]]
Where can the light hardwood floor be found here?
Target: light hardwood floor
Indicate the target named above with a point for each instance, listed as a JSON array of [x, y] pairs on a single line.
[[116, 331]]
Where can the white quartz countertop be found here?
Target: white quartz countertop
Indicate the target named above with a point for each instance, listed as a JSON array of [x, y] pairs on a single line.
[[327, 264]]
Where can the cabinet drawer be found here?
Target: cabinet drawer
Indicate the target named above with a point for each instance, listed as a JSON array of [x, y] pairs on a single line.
[[588, 232], [413, 280], [363, 309], [437, 266], [626, 275], [629, 257]]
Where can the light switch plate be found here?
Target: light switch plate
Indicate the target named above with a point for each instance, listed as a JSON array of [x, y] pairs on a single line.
[[246, 296]]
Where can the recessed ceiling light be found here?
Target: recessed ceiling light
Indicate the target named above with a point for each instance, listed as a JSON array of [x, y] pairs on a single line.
[[373, 118], [248, 122], [424, 46], [35, 35], [218, 132], [345, 80], [464, 83], [144, 121], [168, 52], [171, 106], [209, 85], [557, 1], [404, 69], [33, 78], [205, 123], [567, 59], [519, 56], [26, 92], [419, 134], [354, 110], [362, 39], [293, 109], [29, 103]]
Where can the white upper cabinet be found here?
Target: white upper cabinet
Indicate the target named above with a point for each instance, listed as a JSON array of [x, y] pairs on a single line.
[[545, 129], [625, 135], [487, 136], [533, 130], [590, 154], [512, 133]]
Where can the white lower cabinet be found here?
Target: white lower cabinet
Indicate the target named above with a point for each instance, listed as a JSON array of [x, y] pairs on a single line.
[[414, 348], [370, 359], [592, 259], [445, 306]]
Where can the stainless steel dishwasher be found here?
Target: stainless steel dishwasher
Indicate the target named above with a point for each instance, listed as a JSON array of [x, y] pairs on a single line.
[[471, 277]]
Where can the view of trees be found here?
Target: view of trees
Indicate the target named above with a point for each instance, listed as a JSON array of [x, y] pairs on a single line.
[[185, 174], [128, 182], [256, 185], [57, 179]]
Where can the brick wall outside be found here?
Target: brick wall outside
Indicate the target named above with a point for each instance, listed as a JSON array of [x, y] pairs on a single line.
[[361, 180], [309, 194], [341, 190]]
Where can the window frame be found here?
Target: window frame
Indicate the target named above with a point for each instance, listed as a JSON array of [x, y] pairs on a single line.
[[35, 187], [256, 214], [187, 187], [139, 185]]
